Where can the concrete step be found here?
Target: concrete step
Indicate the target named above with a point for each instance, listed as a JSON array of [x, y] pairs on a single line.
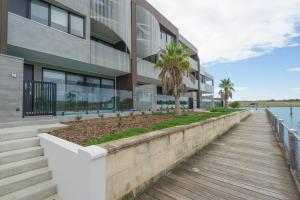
[[11, 145], [30, 121], [19, 134], [39, 191], [20, 154], [54, 197], [22, 166], [21, 181]]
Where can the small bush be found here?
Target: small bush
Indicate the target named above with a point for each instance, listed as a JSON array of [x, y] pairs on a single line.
[[78, 118], [235, 104]]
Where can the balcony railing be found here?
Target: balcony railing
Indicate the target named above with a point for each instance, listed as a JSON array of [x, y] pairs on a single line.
[[206, 88], [194, 64], [109, 57]]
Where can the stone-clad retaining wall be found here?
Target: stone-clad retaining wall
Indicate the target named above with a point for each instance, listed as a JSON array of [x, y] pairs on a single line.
[[133, 163]]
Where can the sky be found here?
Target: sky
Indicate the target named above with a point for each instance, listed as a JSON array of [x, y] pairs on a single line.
[[254, 43]]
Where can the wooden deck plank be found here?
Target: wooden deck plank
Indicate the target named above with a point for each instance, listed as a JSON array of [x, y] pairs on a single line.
[[245, 163]]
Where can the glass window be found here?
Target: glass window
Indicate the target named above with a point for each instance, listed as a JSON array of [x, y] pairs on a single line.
[[94, 93], [39, 11], [18, 7], [59, 19], [73, 79], [106, 83], [76, 25], [58, 78], [93, 82]]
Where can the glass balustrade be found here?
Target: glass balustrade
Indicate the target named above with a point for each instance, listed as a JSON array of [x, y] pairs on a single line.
[[165, 102], [76, 99]]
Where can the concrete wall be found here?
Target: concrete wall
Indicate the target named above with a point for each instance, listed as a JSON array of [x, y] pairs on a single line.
[[134, 163], [27, 34], [79, 172], [11, 88]]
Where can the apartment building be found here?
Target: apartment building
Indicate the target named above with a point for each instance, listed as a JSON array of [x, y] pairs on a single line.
[[63, 57]]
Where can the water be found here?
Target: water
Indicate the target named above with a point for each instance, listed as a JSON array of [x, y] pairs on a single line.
[[292, 121]]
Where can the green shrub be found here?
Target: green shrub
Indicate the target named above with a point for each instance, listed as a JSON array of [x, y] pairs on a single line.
[[235, 104]]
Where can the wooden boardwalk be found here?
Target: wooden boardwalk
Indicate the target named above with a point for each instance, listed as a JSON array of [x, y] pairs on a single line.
[[245, 163]]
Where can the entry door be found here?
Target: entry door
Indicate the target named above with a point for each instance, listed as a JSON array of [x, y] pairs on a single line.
[[28, 72], [28, 92]]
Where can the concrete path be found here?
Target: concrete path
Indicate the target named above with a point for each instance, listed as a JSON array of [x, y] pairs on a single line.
[[245, 163]]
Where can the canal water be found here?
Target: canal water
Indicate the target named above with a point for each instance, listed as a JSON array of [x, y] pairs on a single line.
[[292, 121]]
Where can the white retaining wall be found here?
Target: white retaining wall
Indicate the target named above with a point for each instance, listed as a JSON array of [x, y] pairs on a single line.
[[79, 172]]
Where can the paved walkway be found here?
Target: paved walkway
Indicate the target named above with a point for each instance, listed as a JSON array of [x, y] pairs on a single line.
[[246, 163]]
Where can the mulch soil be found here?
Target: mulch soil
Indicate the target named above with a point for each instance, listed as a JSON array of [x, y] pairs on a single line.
[[80, 132]]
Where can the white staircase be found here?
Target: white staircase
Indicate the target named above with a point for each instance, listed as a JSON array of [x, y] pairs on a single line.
[[24, 172]]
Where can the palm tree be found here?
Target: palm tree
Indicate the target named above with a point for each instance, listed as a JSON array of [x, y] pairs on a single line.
[[174, 64], [227, 88]]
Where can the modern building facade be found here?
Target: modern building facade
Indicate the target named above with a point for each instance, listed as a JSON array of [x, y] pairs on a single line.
[[62, 57]]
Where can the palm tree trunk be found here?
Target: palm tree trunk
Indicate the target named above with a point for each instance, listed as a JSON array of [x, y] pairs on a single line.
[[177, 106]]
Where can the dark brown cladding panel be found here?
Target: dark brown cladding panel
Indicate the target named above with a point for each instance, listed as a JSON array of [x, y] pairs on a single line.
[[3, 25], [124, 82], [133, 45], [161, 19]]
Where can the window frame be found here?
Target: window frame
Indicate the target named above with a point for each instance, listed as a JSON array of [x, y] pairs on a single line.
[[69, 13], [29, 12], [65, 12], [69, 24]]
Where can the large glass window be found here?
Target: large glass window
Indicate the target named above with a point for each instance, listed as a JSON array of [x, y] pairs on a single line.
[[76, 97], [107, 94], [18, 7], [39, 12], [76, 25], [107, 83], [94, 93], [59, 19], [60, 79], [78, 93]]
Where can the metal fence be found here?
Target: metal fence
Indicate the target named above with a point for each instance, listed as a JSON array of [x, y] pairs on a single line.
[[288, 138], [39, 98]]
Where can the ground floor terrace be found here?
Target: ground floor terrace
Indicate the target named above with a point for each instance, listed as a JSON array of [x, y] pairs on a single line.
[[37, 88]]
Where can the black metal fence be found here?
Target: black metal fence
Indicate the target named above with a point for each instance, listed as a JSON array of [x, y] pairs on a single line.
[[39, 98]]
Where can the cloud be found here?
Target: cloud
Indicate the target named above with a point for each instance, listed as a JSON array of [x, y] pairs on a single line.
[[296, 69], [241, 89], [296, 89], [232, 30]]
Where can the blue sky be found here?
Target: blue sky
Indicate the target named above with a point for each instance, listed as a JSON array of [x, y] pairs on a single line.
[[255, 43], [264, 77]]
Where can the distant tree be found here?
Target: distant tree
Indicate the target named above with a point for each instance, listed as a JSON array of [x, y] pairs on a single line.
[[174, 65], [235, 104], [227, 88]]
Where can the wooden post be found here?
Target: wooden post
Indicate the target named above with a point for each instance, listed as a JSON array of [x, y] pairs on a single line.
[[3, 26]]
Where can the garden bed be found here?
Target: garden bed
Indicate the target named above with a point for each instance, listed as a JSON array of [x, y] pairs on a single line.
[[101, 130]]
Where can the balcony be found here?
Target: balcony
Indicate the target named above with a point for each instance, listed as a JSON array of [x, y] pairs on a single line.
[[194, 64], [190, 84], [206, 88], [146, 69], [27, 38], [109, 57]]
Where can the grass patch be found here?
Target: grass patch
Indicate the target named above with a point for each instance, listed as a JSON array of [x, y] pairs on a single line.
[[186, 119], [120, 135], [191, 118]]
